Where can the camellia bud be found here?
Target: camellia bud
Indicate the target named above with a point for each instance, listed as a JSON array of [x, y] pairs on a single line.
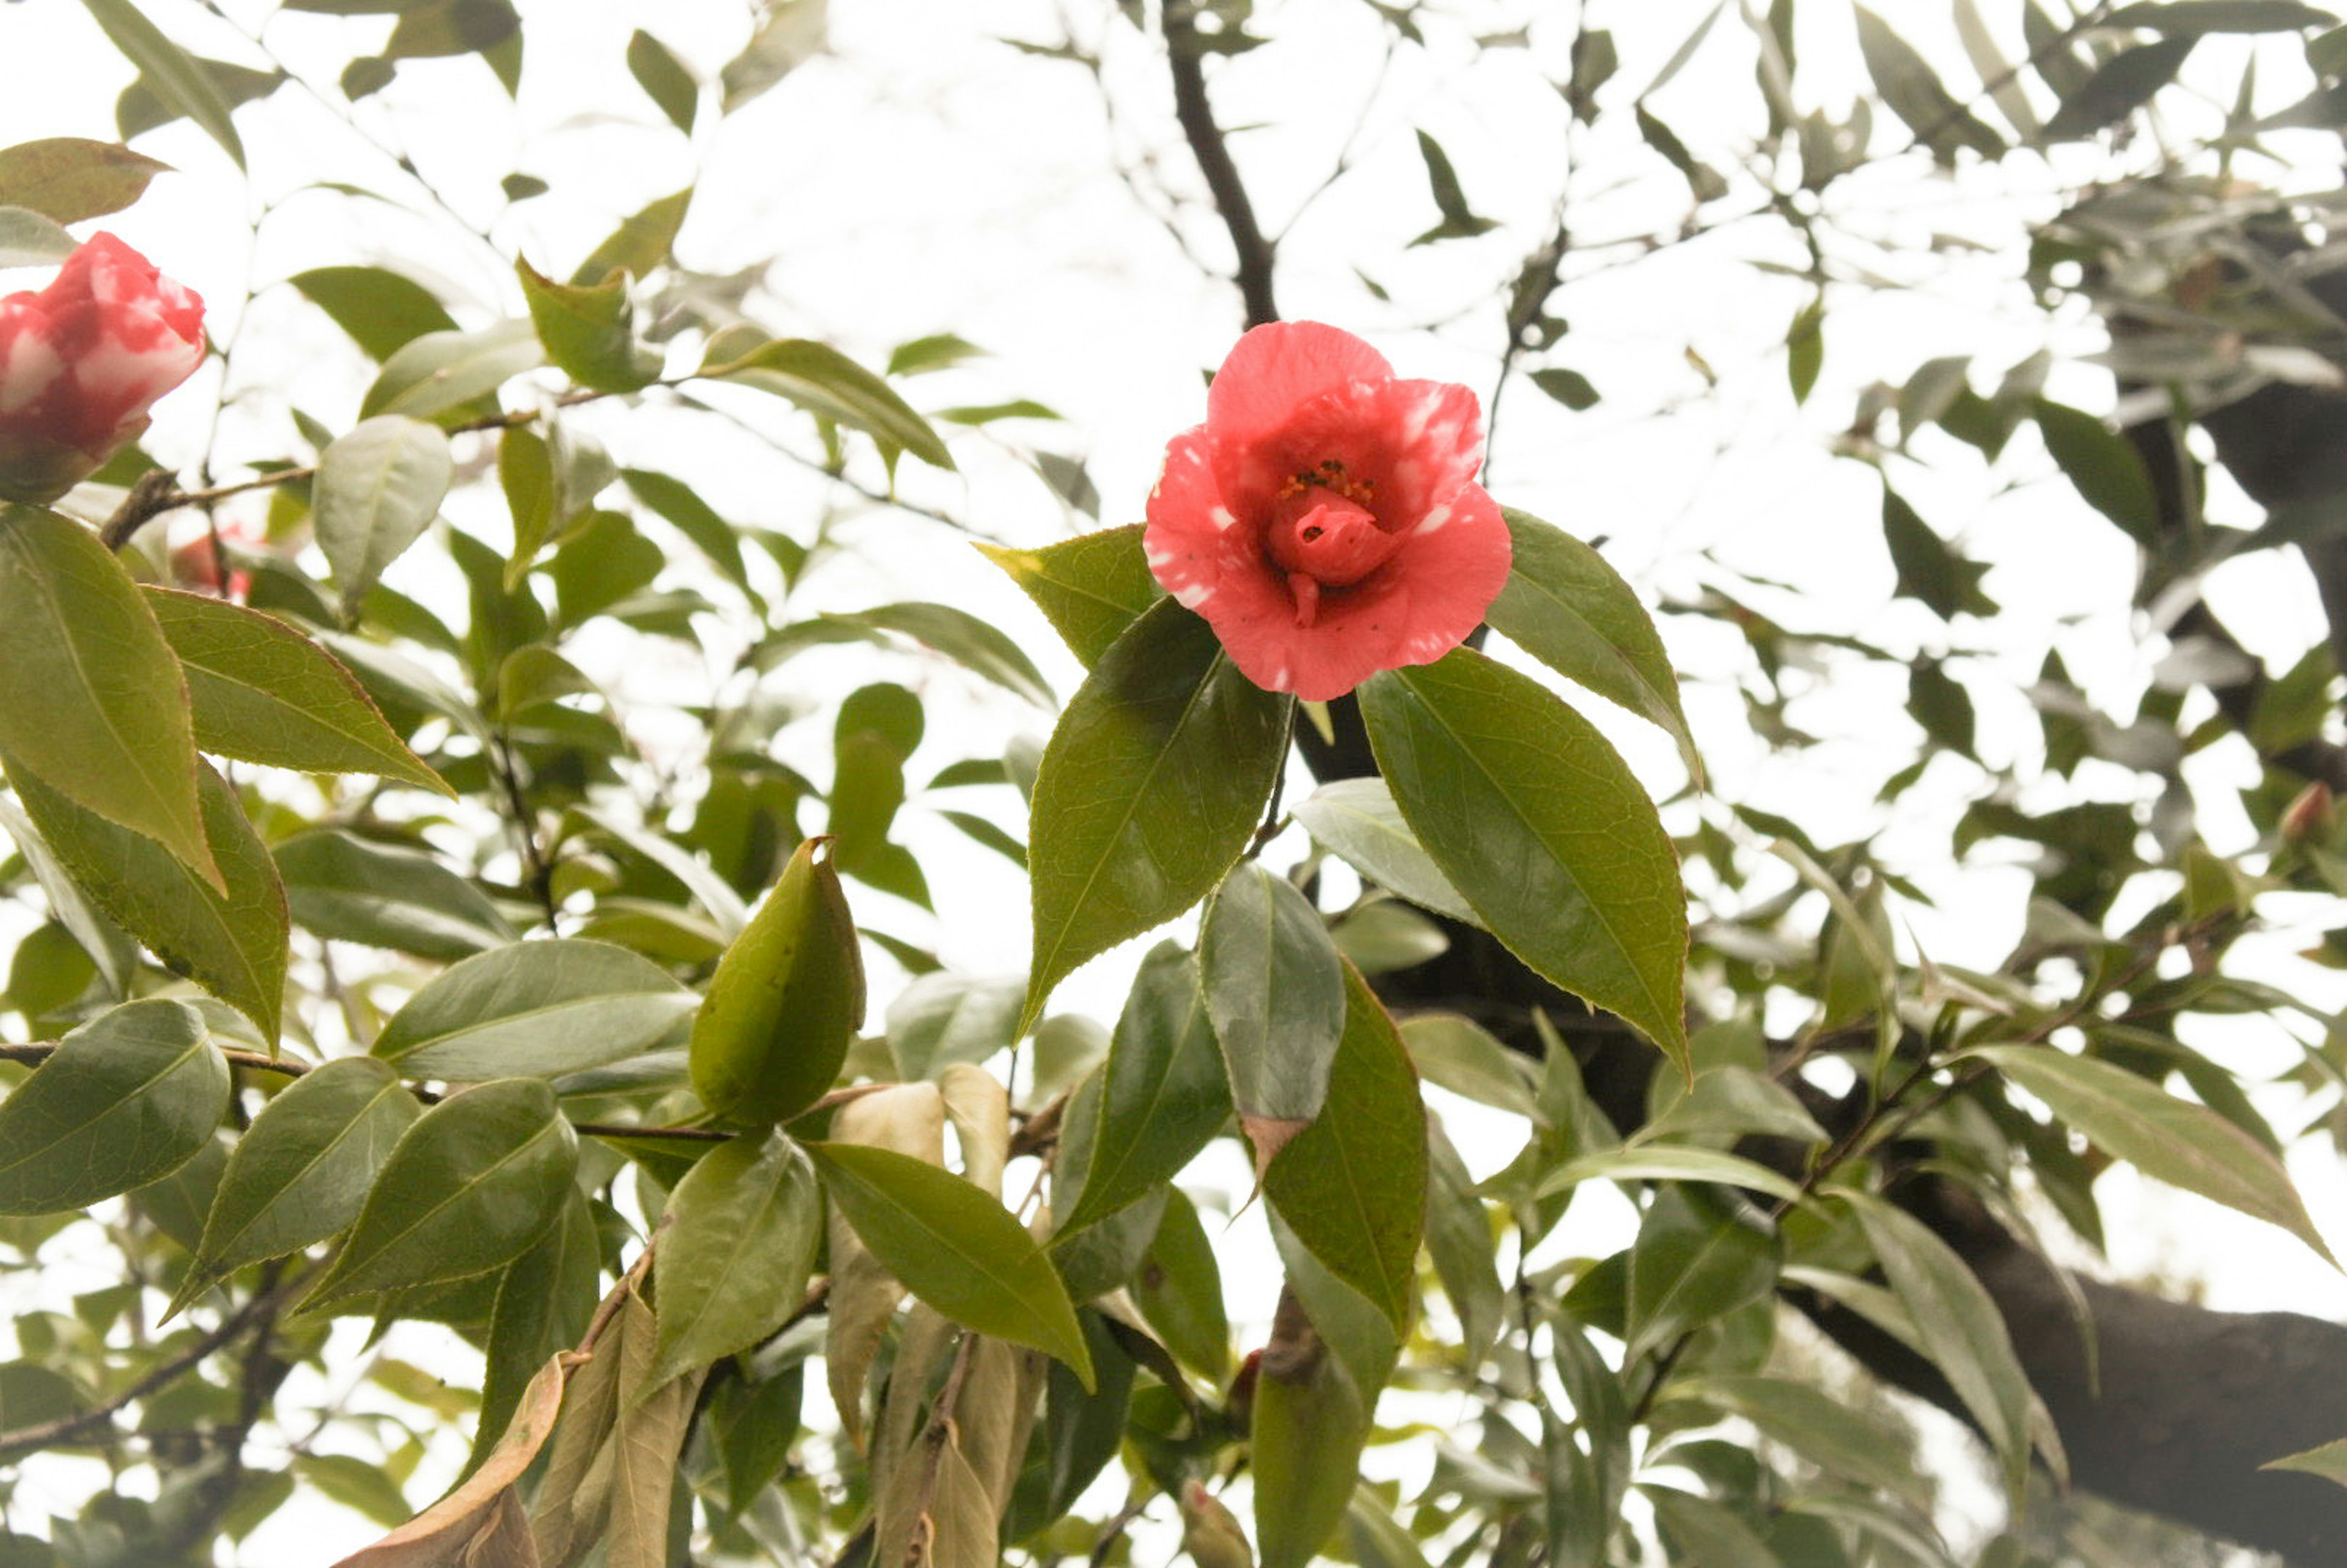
[[1210, 1533], [2308, 818], [83, 360]]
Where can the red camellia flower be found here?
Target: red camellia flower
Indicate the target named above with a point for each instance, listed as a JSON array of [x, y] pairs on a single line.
[[83, 360], [1324, 519]]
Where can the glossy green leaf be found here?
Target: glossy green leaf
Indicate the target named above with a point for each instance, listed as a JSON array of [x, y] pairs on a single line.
[[1567, 607], [1162, 1096], [2106, 470], [742, 1228], [642, 242], [112, 952], [545, 1299], [1089, 587], [167, 70], [429, 375], [383, 310], [231, 944], [588, 330], [1147, 793], [665, 79], [2120, 86], [534, 1010], [1358, 818], [93, 702], [1913, 91], [30, 240], [945, 1018], [1179, 1289], [2181, 1144], [469, 1185], [351, 889], [1352, 1186], [822, 380], [377, 489], [956, 1247], [68, 178], [1669, 1163], [786, 1000], [1316, 1396], [1535, 819], [1274, 989], [1693, 1263], [125, 1100], [301, 1172], [1960, 1327], [261, 692], [963, 638], [1849, 1440], [1458, 1054]]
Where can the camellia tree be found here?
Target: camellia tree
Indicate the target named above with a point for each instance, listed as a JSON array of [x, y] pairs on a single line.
[[443, 1069]]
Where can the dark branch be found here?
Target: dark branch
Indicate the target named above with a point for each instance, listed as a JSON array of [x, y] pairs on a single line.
[[1187, 50]]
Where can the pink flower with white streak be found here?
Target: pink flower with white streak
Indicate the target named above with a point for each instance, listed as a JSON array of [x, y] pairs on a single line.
[[83, 360], [1324, 519]]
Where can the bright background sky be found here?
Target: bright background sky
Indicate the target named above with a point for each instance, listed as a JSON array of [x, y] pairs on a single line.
[[925, 177]]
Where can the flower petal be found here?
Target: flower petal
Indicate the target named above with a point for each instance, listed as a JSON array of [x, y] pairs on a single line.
[[1273, 369], [1456, 562]]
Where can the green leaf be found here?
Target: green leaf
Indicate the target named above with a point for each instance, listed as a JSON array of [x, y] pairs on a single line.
[[936, 352], [641, 242], [790, 35], [364, 1489], [1960, 1327], [1179, 1290], [1330, 1353], [944, 1018], [1352, 1186], [383, 310], [1459, 1243], [92, 701], [535, 1009], [166, 69], [665, 79], [1358, 818], [1568, 609], [2179, 18], [1849, 1440], [125, 1100], [2104, 466], [1705, 183], [1533, 817], [233, 943], [1276, 990], [301, 1172], [470, 1184], [440, 371], [742, 1228], [349, 889], [824, 381], [1912, 91], [1669, 1163], [110, 950], [1692, 1264], [1090, 588], [588, 330], [545, 1299], [261, 692], [525, 474], [378, 488], [1569, 387], [1162, 1096], [1459, 221], [956, 1247], [1805, 348], [1702, 1531], [1457, 1054], [1147, 791], [962, 637], [1930, 570], [2181, 1144], [786, 1000], [2329, 1461], [141, 107], [69, 178], [30, 240], [2120, 86]]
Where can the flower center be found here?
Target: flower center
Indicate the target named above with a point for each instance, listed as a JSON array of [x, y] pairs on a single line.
[[1323, 536]]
